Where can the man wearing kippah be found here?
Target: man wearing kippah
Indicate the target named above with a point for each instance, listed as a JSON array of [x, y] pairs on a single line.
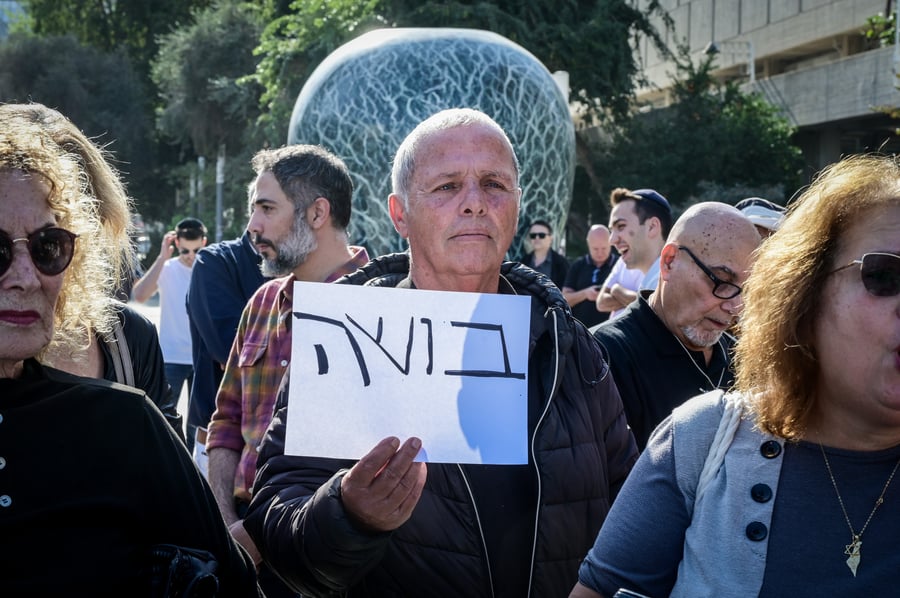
[[172, 277], [638, 223]]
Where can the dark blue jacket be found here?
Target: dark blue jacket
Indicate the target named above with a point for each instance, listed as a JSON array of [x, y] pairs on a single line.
[[224, 277]]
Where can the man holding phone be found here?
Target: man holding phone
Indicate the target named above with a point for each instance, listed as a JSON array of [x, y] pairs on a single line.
[[171, 277], [586, 276]]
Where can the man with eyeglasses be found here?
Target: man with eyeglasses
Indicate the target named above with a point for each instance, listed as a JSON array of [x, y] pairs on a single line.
[[542, 256], [672, 343], [172, 276]]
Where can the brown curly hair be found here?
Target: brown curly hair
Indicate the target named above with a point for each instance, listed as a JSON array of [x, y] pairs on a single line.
[[775, 361]]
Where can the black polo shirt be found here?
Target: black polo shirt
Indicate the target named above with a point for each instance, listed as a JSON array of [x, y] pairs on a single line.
[[653, 371], [582, 274]]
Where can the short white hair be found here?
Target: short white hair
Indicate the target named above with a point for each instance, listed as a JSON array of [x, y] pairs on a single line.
[[405, 159]]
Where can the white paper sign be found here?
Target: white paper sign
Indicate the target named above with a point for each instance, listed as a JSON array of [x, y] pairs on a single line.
[[449, 368]]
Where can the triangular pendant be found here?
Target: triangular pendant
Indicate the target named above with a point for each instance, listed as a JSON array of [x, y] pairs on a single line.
[[853, 559]]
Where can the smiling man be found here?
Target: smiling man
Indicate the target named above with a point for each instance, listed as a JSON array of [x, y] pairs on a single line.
[[389, 526], [638, 223], [672, 343]]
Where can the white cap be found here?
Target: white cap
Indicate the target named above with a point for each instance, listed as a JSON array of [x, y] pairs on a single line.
[[762, 212]]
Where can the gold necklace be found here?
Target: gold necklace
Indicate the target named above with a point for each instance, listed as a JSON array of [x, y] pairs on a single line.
[[852, 549]]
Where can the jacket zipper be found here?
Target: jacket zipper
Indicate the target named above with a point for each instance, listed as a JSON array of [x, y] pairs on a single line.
[[537, 469], [487, 558]]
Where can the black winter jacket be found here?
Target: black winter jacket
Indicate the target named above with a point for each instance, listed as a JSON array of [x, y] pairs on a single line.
[[581, 451]]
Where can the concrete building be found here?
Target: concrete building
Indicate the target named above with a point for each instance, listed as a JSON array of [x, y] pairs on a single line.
[[808, 57]]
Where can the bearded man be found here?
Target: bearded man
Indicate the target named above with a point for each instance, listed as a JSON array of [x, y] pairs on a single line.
[[299, 213]]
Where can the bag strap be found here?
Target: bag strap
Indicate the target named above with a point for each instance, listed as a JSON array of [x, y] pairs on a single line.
[[121, 356], [725, 433], [704, 429]]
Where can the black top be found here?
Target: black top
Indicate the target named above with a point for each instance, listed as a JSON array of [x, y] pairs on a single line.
[[91, 477], [654, 372], [582, 274], [224, 277], [506, 494], [555, 267]]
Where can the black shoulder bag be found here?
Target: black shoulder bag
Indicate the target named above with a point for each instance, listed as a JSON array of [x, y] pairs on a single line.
[[179, 572]]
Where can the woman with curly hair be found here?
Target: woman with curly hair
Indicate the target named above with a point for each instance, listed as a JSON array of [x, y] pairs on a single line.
[[112, 341], [785, 487], [94, 485]]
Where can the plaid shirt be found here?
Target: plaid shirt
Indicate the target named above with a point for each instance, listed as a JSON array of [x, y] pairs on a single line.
[[258, 360]]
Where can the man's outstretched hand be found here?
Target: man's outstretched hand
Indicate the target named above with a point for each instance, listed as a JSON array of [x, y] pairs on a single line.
[[382, 489]]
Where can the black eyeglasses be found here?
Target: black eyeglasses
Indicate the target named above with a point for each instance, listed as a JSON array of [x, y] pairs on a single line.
[[185, 250], [51, 250], [880, 273], [537, 235], [721, 288]]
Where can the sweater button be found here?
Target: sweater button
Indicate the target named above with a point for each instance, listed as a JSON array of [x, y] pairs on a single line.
[[761, 493], [2, 462], [770, 449], [5, 500], [757, 531]]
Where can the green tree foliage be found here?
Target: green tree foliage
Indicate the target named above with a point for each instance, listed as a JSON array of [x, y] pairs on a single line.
[[197, 71], [879, 30], [130, 28], [712, 135], [98, 91], [208, 98], [110, 25], [293, 45], [590, 39]]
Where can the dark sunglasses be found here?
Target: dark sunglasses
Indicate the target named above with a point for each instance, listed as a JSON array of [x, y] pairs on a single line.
[[880, 273], [537, 235], [185, 251], [51, 250], [721, 288]]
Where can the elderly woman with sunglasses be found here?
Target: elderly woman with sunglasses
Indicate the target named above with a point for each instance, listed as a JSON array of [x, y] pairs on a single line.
[[787, 486], [92, 479], [113, 342]]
